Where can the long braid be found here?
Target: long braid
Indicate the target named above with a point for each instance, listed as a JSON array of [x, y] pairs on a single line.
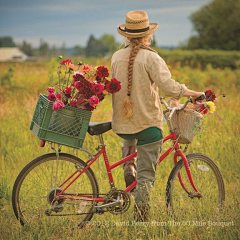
[[127, 103]]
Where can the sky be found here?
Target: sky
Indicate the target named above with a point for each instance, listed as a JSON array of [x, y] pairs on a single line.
[[71, 22]]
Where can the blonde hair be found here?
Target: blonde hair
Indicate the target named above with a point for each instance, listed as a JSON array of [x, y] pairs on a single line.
[[136, 44], [146, 40], [128, 103]]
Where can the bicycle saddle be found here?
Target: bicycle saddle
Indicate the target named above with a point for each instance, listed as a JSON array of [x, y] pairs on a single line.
[[99, 128]]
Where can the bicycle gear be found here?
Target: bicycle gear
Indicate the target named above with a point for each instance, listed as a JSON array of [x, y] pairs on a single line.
[[51, 196], [113, 196]]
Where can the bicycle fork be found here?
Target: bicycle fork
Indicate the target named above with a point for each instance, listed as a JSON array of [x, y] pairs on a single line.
[[186, 164]]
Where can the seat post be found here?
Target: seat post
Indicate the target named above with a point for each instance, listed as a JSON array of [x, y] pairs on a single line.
[[101, 139]]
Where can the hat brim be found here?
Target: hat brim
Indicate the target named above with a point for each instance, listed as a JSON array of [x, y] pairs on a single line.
[[152, 28]]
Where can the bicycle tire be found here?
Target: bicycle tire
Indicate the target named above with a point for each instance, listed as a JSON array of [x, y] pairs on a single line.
[[206, 176], [28, 208]]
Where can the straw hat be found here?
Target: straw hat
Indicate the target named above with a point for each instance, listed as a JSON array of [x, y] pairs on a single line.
[[137, 25]]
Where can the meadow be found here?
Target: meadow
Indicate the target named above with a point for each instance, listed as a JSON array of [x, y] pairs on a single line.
[[21, 84]]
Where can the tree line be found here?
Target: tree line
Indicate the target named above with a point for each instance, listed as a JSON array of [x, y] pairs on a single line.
[[95, 47], [217, 26]]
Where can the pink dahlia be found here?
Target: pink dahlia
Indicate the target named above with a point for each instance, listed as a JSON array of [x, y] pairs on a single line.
[[58, 105], [98, 88], [73, 103], [59, 96], [51, 97], [50, 90], [93, 101]]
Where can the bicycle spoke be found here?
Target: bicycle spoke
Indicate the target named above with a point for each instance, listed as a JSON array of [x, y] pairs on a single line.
[[34, 197], [208, 181]]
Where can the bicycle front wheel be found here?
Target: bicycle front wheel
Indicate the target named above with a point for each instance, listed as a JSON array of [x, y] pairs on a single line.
[[34, 191], [209, 182]]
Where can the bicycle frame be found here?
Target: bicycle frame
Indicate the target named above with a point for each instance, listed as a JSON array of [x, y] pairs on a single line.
[[102, 151]]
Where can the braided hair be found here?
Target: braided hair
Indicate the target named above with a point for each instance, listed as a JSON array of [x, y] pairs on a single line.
[[127, 103]]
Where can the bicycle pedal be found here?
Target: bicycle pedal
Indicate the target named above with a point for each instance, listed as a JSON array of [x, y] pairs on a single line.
[[99, 211]]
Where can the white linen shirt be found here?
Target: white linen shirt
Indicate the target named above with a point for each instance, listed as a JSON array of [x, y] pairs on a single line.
[[150, 74]]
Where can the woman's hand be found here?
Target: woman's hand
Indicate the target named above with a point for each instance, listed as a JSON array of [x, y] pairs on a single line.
[[193, 94]]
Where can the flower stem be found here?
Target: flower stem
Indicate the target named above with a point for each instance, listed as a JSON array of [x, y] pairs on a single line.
[[59, 74], [68, 77]]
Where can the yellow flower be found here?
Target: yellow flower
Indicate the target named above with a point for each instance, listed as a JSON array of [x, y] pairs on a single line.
[[211, 106], [60, 57]]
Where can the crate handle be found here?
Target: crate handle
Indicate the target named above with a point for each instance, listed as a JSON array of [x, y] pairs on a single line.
[[41, 104], [68, 112]]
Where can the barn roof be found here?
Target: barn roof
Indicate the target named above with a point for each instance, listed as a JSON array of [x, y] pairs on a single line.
[[12, 54]]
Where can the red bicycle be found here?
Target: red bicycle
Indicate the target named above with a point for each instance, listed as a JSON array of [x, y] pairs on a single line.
[[61, 186]]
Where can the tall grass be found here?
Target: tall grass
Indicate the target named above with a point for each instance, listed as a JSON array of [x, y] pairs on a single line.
[[220, 141]]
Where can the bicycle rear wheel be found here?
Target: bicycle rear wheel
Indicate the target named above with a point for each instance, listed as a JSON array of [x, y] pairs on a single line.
[[208, 180], [34, 191]]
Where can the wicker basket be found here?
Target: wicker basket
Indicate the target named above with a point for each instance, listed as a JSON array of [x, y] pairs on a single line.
[[186, 124], [67, 126]]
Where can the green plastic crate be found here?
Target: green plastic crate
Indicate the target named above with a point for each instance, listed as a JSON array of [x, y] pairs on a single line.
[[67, 126]]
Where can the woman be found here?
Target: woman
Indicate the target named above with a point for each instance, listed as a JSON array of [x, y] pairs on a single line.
[[137, 111]]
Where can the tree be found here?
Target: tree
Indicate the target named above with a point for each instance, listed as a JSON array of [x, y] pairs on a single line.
[[54, 51], [154, 43], [27, 48], [78, 51], [63, 49], [44, 48], [217, 25], [94, 47], [7, 42], [108, 44]]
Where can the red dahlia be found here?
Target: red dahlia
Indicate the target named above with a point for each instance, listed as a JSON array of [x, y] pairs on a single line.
[[67, 92], [88, 107], [113, 86], [67, 61], [77, 76], [210, 95], [102, 72], [101, 96], [85, 88], [203, 109]]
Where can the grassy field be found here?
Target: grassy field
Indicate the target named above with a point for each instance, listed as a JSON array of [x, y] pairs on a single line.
[[20, 87]]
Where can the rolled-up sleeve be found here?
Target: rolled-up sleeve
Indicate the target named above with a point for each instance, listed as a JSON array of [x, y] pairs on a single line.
[[160, 74]]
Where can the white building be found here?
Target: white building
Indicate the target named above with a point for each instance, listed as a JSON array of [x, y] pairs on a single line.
[[12, 54]]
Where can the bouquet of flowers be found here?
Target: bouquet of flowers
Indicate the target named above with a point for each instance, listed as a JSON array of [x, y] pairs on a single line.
[[82, 86], [209, 105], [203, 107]]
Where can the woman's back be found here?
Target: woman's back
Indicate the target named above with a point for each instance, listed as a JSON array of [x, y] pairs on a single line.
[[144, 91]]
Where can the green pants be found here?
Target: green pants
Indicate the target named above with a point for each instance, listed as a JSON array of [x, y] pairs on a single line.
[[147, 160], [149, 145]]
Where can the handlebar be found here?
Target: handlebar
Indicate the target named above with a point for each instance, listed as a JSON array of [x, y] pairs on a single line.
[[174, 109]]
